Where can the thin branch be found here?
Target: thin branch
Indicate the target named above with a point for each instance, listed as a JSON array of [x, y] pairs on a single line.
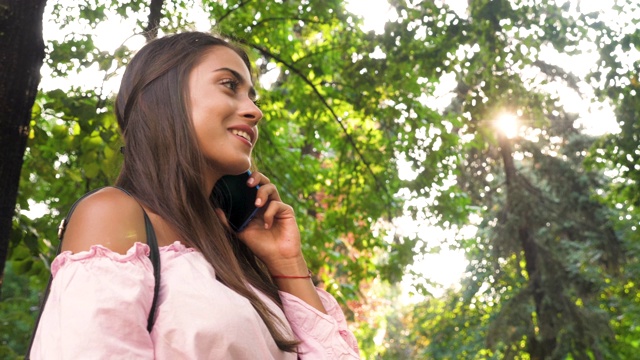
[[238, 6], [554, 71], [274, 175], [261, 22], [312, 54], [313, 87]]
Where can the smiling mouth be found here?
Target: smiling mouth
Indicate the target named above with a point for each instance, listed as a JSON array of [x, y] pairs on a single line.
[[241, 134]]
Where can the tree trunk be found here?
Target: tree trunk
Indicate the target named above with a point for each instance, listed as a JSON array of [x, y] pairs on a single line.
[[20, 62], [155, 14], [544, 348]]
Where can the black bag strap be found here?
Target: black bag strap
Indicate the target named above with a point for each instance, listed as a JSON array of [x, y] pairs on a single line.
[[154, 256]]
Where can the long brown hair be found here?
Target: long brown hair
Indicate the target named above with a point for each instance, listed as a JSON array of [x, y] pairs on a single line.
[[164, 168]]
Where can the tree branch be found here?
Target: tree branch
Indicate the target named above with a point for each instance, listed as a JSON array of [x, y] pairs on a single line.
[[313, 87], [238, 6], [155, 14], [263, 21], [554, 71]]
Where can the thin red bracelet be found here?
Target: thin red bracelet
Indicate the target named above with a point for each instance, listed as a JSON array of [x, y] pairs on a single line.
[[308, 276]]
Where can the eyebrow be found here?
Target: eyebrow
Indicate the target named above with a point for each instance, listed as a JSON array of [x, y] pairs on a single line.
[[252, 91]]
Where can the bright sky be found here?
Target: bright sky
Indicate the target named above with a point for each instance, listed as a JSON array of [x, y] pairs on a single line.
[[447, 267]]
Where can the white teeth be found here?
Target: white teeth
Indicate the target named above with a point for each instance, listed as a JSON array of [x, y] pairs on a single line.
[[241, 134]]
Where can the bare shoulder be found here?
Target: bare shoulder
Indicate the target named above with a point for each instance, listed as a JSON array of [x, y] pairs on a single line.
[[108, 217]]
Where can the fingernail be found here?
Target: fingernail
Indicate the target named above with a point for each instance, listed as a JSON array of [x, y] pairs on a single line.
[[250, 181], [258, 202], [266, 226]]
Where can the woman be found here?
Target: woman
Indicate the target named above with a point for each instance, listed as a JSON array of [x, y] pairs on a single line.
[[187, 112]]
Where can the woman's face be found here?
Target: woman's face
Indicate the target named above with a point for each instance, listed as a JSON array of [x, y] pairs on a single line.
[[223, 111]]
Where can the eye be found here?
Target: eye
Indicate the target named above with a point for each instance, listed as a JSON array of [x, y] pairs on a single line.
[[231, 84]]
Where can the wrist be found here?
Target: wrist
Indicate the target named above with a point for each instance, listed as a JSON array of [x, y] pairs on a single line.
[[292, 277], [293, 268]]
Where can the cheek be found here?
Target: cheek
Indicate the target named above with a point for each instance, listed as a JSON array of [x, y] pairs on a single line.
[[197, 122]]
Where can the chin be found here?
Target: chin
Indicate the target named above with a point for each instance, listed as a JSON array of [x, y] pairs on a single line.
[[239, 168]]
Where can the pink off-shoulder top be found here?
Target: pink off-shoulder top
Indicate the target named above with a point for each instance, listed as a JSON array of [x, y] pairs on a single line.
[[99, 302]]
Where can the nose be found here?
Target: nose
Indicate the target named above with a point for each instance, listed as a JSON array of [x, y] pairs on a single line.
[[251, 111]]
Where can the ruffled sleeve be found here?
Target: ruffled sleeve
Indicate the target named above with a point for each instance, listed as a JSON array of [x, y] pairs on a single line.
[[98, 306], [322, 336]]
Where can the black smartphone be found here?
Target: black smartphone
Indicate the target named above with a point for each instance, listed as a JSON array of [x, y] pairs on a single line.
[[232, 194]]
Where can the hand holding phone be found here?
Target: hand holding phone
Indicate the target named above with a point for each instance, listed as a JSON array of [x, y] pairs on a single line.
[[236, 199], [273, 234]]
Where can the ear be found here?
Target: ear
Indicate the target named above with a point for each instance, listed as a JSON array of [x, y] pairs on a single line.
[[223, 218]]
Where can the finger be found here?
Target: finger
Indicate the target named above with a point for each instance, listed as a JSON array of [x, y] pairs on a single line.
[[267, 193], [257, 178], [276, 210]]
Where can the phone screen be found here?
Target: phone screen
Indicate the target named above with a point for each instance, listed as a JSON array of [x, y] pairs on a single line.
[[232, 194]]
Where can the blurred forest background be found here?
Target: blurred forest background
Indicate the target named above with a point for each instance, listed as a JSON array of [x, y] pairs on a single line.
[[476, 129]]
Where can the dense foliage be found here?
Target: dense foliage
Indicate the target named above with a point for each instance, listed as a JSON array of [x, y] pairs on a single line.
[[553, 265]]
